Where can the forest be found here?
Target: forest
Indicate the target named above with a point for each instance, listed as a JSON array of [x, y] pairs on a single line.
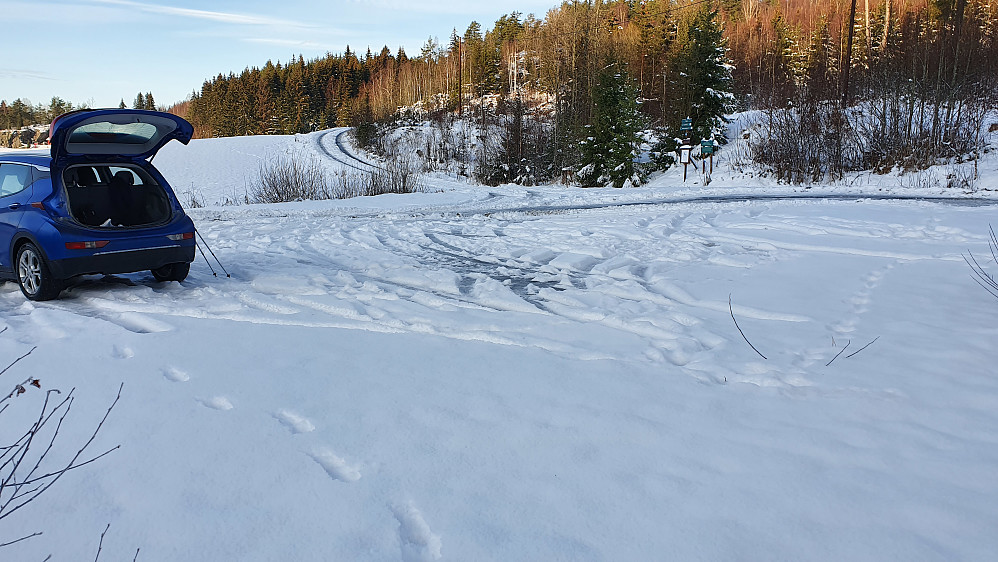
[[840, 85]]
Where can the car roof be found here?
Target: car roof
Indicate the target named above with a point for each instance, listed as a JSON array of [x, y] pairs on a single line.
[[32, 158]]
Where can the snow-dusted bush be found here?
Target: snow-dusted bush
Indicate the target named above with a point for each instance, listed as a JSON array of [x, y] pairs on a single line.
[[804, 144], [398, 174], [814, 140], [298, 176]]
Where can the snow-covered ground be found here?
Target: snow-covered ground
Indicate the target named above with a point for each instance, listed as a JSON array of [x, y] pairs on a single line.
[[526, 374]]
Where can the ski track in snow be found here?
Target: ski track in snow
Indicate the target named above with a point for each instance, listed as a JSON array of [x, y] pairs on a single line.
[[511, 283]]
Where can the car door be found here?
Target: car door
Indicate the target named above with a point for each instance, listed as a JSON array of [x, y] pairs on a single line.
[[15, 195]]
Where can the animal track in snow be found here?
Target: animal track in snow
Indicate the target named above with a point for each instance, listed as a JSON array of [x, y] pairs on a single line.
[[220, 403], [176, 375], [335, 467], [122, 352], [418, 542], [294, 422]]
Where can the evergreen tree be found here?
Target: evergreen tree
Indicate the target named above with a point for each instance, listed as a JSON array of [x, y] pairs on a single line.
[[149, 102], [140, 101], [611, 141], [122, 104], [701, 76]]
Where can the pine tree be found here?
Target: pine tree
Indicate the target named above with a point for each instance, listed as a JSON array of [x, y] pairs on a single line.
[[610, 142], [122, 104], [149, 102], [140, 101]]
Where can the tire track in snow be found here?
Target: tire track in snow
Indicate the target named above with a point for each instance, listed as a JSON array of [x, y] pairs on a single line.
[[341, 156]]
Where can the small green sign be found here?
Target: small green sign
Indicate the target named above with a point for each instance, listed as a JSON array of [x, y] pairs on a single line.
[[687, 125], [707, 147]]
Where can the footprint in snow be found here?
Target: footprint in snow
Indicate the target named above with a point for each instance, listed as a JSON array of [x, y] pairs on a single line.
[[122, 352], [335, 467], [418, 542], [220, 403], [176, 375], [294, 422]]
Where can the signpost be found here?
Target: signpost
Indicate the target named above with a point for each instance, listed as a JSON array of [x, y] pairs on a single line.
[[685, 126], [707, 149]]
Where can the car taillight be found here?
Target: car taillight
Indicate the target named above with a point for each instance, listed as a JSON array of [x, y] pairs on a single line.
[[88, 245], [184, 236]]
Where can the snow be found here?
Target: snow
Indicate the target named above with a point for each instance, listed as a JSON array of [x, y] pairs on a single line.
[[542, 373]]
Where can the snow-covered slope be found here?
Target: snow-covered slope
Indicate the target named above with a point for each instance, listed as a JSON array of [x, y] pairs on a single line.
[[526, 374]]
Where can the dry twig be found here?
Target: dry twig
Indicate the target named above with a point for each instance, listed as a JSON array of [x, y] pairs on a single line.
[[864, 347], [731, 310], [839, 353]]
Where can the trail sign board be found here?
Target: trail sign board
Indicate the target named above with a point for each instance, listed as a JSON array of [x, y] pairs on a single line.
[[706, 147], [686, 125]]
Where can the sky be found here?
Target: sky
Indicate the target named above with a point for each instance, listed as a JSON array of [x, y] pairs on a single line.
[[100, 52]]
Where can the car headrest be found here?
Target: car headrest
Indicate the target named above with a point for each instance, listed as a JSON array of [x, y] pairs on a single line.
[[82, 176], [123, 177]]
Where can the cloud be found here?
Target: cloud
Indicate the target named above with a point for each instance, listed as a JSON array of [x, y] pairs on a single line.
[[220, 17], [17, 74], [297, 43]]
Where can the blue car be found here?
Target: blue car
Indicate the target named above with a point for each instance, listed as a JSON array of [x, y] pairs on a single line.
[[95, 205]]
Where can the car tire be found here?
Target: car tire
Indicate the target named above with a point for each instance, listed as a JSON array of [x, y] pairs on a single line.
[[34, 276], [172, 272]]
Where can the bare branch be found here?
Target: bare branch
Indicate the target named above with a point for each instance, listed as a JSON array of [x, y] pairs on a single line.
[[731, 310], [100, 545], [864, 347], [52, 478], [5, 369], [839, 353], [32, 535]]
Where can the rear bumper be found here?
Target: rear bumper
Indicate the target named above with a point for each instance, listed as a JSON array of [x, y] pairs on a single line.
[[121, 262]]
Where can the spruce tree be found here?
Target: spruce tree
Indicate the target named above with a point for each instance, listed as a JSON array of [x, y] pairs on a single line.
[[140, 101], [149, 103], [701, 76], [122, 104], [609, 144]]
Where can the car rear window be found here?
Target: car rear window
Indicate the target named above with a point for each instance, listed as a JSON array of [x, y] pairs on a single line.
[[104, 132], [119, 134]]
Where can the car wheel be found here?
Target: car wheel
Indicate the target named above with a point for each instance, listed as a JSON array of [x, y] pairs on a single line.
[[34, 276], [172, 272]]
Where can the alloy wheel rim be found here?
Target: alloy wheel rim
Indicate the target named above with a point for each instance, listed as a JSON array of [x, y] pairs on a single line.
[[30, 271]]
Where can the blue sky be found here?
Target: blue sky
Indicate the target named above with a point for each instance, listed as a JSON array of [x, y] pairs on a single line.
[[100, 51]]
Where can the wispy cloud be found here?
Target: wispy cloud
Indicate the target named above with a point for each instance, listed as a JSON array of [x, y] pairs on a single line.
[[17, 74], [220, 17], [295, 43]]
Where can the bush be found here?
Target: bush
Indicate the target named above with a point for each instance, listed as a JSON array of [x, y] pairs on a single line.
[[293, 177], [302, 177]]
